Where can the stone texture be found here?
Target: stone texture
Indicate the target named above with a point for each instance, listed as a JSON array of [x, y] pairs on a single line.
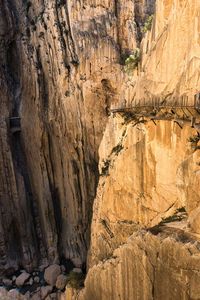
[[45, 290], [61, 282], [12, 295], [146, 267], [59, 72], [21, 279], [148, 180], [51, 274], [148, 171], [7, 282]]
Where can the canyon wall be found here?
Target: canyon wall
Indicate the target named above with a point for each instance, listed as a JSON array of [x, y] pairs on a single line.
[[145, 226], [60, 69]]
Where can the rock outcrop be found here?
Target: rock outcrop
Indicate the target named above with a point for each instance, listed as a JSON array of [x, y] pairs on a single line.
[[146, 267]]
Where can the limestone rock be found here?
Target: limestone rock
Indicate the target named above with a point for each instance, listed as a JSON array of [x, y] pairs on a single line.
[[21, 279], [61, 282], [3, 293], [30, 282], [51, 273], [36, 296], [68, 100], [7, 282], [36, 279], [161, 266], [45, 290], [77, 270]]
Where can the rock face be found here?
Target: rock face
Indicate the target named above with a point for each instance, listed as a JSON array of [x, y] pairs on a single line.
[[149, 177], [60, 69], [146, 267], [149, 173]]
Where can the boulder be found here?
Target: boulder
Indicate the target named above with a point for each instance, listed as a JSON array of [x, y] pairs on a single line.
[[21, 279], [30, 282], [36, 296], [51, 273], [53, 296], [3, 293], [61, 282], [77, 270], [36, 279], [45, 290], [63, 269], [7, 282]]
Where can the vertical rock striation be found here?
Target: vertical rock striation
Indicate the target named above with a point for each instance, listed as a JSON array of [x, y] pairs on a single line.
[[60, 69]]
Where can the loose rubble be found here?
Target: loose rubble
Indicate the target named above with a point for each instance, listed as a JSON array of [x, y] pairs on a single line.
[[46, 283]]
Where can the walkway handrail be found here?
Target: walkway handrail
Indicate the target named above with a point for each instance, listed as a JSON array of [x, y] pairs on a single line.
[[183, 102]]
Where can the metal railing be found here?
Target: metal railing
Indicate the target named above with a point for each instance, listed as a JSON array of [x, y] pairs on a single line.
[[182, 102]]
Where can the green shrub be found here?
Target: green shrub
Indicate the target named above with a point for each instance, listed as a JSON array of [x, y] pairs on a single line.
[[132, 61], [194, 141], [128, 116], [117, 149], [123, 57], [148, 24], [104, 170], [76, 280]]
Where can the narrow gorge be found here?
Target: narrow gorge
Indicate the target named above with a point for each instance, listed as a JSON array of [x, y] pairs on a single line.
[[99, 149]]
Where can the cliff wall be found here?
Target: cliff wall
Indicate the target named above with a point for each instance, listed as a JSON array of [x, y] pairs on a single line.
[[60, 69], [149, 174]]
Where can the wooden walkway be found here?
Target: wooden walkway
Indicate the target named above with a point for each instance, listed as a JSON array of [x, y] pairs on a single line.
[[157, 103]]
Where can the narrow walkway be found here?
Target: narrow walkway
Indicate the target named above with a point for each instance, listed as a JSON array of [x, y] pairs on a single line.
[[157, 103]]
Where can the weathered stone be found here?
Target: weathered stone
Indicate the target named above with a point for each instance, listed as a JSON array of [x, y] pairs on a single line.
[[21, 279], [14, 278], [51, 273], [3, 293], [76, 88], [36, 296], [63, 269], [7, 282], [30, 282], [36, 279], [77, 270], [160, 263], [61, 282], [45, 290]]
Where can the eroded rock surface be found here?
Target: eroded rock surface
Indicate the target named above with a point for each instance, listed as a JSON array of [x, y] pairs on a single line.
[[60, 69], [146, 267]]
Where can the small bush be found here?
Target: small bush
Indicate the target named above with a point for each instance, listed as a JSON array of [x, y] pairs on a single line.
[[104, 170], [132, 61], [76, 280], [128, 116], [148, 24], [123, 57], [41, 35], [176, 216], [117, 149], [194, 141]]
